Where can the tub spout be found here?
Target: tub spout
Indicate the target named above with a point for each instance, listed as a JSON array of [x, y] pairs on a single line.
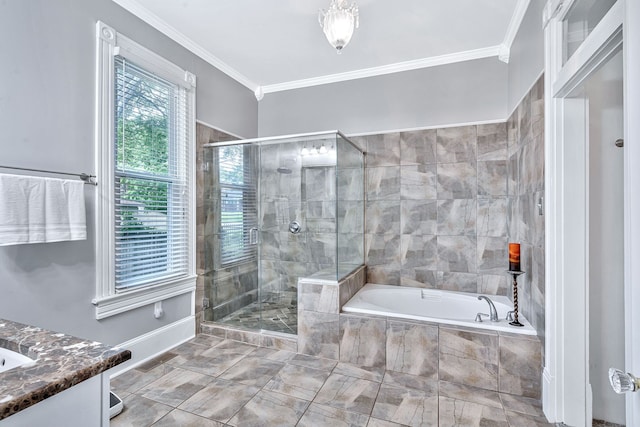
[[493, 313]]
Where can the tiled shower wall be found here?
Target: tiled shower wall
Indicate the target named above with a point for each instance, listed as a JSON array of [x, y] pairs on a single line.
[[305, 195], [327, 202], [436, 212], [205, 220], [525, 130], [442, 205]]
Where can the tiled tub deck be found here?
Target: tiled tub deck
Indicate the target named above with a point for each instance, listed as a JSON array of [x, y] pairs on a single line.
[[496, 361]]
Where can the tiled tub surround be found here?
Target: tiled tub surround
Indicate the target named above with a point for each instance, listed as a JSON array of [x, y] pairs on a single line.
[[489, 360], [435, 305], [497, 361], [62, 361], [319, 304]]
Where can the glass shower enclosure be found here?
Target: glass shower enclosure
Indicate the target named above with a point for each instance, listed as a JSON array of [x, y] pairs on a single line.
[[279, 209]]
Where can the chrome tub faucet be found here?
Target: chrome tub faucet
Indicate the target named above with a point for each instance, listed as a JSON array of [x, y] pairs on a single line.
[[493, 313]]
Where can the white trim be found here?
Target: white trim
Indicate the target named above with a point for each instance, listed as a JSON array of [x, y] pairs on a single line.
[[551, 10], [566, 390], [512, 29], [501, 51], [159, 24], [595, 49], [147, 59], [415, 64], [504, 53], [119, 303], [553, 390], [549, 397], [631, 49], [107, 301], [152, 344], [104, 125]]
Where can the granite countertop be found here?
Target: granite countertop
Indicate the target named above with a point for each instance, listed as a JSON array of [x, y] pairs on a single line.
[[62, 361]]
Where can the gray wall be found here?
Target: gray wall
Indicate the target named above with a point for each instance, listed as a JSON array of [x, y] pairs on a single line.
[[465, 92], [47, 121], [526, 62]]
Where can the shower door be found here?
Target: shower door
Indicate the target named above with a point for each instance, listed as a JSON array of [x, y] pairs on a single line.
[[231, 235], [282, 254]]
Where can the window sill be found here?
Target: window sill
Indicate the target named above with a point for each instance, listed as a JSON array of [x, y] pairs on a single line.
[[119, 303]]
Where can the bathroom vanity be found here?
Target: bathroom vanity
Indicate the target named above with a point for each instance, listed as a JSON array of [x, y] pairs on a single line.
[[67, 383]]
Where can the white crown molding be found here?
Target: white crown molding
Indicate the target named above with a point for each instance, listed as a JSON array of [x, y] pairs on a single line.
[[505, 53], [156, 22], [512, 29], [433, 61], [501, 51]]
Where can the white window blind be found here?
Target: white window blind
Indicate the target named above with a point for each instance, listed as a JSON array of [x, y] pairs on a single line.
[[238, 210], [151, 178]]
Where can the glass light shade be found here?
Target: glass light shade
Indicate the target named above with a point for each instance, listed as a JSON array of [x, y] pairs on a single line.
[[339, 22]]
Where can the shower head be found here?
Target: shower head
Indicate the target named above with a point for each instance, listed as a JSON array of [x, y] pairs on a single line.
[[283, 169]]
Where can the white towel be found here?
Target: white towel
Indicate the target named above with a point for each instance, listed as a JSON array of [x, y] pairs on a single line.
[[38, 210]]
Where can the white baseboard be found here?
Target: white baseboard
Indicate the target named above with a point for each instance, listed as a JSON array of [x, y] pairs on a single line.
[[549, 402], [145, 347]]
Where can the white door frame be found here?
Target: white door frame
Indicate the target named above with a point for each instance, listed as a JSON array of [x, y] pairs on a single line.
[[631, 51], [566, 390]]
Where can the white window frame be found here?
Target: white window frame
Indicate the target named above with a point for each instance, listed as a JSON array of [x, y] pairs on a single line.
[[110, 44]]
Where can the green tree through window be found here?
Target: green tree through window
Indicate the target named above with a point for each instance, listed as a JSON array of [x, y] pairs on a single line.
[[145, 173]]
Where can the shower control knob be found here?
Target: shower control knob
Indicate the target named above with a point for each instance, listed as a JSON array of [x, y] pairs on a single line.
[[295, 227]]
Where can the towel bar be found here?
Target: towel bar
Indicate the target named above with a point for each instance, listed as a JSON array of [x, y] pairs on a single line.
[[88, 179]]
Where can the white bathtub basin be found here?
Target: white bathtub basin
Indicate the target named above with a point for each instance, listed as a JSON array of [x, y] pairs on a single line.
[[10, 359], [433, 305]]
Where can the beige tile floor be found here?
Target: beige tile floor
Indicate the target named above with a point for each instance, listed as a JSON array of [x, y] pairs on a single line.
[[210, 381]]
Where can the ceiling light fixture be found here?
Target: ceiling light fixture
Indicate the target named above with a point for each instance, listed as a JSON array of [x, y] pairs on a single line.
[[339, 22]]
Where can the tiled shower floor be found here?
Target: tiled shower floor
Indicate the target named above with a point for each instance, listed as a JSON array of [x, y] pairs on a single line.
[[210, 381], [277, 312]]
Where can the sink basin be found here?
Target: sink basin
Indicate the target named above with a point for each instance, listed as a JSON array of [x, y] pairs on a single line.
[[10, 359]]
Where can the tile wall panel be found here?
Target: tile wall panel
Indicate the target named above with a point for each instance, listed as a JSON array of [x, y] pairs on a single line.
[[442, 205]]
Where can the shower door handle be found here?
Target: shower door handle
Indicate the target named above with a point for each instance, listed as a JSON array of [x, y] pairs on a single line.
[[253, 236]]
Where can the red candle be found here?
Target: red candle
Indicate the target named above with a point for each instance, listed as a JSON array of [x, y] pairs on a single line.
[[514, 256]]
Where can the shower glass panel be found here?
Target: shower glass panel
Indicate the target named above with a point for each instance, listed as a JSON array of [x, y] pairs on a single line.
[[281, 209]]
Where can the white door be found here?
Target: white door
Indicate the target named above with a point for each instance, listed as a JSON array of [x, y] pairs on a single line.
[[603, 92], [591, 290]]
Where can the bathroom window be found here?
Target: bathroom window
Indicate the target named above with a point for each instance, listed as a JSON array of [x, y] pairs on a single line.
[[145, 176], [238, 218]]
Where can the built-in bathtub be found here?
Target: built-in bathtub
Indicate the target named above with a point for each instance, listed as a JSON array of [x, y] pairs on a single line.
[[434, 305]]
